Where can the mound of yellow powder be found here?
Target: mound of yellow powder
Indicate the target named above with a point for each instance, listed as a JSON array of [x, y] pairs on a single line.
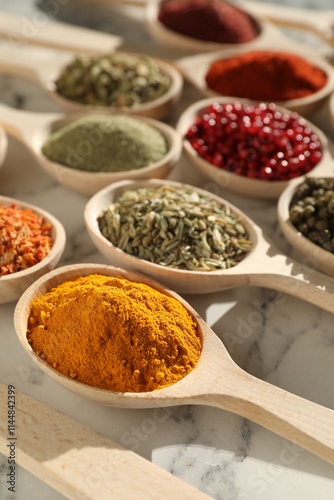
[[114, 334]]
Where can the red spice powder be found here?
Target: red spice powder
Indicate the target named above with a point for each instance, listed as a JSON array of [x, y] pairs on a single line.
[[210, 20], [25, 239], [265, 75]]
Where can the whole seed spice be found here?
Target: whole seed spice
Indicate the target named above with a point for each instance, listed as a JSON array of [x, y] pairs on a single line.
[[106, 143], [112, 79], [25, 239], [265, 76], [176, 227], [256, 141], [209, 20], [114, 334], [312, 211]]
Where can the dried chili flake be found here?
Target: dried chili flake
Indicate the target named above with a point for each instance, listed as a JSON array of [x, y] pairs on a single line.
[[25, 239]]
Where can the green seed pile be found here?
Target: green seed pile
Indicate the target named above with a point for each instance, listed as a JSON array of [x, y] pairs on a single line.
[[312, 211], [176, 227], [113, 79]]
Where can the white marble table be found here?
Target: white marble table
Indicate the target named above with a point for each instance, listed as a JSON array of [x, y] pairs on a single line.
[[272, 336]]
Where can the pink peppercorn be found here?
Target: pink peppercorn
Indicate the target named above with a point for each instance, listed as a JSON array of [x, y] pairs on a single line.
[[256, 141]]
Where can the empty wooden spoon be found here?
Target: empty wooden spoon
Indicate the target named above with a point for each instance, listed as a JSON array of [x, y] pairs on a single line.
[[78, 462], [215, 381], [263, 266], [19, 31]]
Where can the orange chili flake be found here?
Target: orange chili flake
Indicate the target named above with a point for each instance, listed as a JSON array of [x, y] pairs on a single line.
[[25, 239]]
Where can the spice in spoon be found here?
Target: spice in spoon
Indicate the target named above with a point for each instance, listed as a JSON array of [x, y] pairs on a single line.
[[312, 211], [114, 334], [208, 20], [255, 140], [25, 239], [265, 76], [114, 79], [106, 143], [176, 227]]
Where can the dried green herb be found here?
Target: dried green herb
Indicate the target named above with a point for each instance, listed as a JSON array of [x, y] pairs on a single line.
[[114, 79], [106, 143], [312, 211], [176, 227]]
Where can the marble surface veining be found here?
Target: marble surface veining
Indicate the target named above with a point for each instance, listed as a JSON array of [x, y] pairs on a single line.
[[271, 335]]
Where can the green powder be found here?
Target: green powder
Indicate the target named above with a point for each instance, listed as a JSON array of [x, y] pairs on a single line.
[[103, 143]]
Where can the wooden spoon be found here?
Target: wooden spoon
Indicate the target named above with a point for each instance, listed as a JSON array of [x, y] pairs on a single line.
[[319, 22], [19, 31], [45, 71], [313, 255], [3, 145], [264, 266], [171, 39], [215, 381], [78, 462], [195, 68], [13, 285], [241, 184], [32, 129]]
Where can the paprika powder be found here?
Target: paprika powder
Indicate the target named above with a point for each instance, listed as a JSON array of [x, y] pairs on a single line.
[[265, 76], [209, 20]]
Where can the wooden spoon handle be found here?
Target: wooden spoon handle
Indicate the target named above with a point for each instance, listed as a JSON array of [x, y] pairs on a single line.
[[303, 422], [266, 267], [39, 68], [313, 287], [319, 22], [77, 461], [24, 124], [40, 30]]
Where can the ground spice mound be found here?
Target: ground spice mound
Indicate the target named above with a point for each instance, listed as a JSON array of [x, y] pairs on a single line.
[[265, 75], [208, 20], [106, 143], [114, 334]]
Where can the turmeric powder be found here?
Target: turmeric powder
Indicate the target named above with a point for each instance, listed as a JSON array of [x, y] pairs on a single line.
[[114, 334]]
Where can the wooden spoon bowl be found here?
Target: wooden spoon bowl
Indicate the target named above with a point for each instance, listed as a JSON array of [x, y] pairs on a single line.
[[311, 254], [263, 266], [3, 145], [46, 73], [33, 129], [195, 68], [215, 381], [176, 41], [256, 188], [13, 285]]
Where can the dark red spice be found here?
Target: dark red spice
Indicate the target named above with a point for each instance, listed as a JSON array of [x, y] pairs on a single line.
[[210, 20], [265, 76], [256, 141]]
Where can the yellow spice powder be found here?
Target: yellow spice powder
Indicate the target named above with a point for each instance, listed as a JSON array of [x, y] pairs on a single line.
[[114, 334]]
